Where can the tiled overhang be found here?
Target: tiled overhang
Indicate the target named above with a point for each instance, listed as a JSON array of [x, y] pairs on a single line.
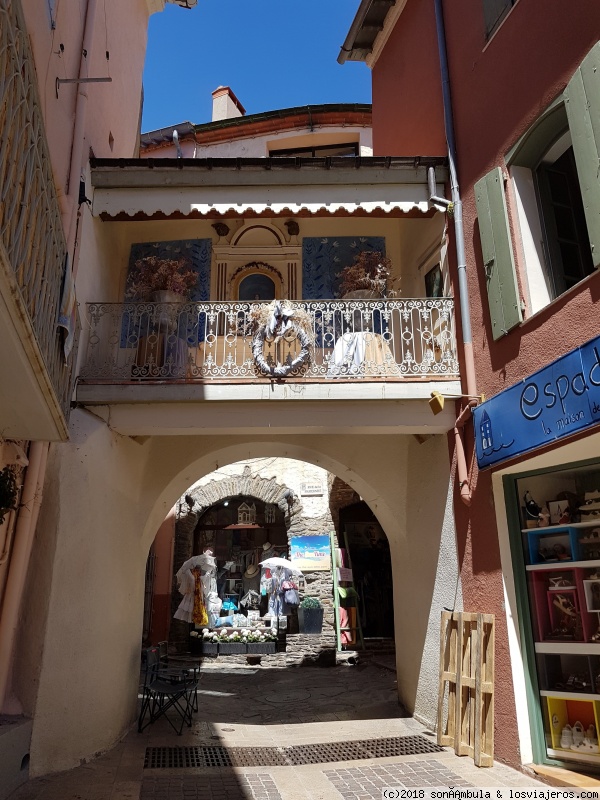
[[134, 188], [298, 118]]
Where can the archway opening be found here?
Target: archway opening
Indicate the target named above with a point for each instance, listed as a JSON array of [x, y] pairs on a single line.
[[369, 554], [294, 509]]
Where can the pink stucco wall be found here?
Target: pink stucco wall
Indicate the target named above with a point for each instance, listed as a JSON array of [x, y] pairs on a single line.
[[407, 99], [112, 108], [499, 88]]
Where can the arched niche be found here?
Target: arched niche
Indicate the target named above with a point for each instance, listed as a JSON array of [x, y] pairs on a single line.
[[258, 248], [256, 278]]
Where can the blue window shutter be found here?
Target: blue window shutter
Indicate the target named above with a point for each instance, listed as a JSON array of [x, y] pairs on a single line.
[[582, 101], [498, 261]]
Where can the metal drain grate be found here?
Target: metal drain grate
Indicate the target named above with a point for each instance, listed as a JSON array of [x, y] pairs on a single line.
[[363, 748], [296, 755], [259, 756], [186, 757]]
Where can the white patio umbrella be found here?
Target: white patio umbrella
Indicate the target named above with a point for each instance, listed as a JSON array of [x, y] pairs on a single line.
[[276, 561]]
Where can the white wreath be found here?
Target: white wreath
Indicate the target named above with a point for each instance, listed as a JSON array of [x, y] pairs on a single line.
[[279, 324]]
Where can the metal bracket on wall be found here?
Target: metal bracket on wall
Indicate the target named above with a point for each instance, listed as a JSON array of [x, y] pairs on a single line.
[[80, 80]]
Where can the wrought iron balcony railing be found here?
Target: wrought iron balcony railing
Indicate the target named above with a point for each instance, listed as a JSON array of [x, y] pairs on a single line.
[[370, 340], [30, 223]]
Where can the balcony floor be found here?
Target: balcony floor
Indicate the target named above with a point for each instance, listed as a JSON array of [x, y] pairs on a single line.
[[168, 409]]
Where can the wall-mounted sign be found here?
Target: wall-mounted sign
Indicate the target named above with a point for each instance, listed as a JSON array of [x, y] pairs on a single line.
[[559, 400], [311, 553], [311, 489]]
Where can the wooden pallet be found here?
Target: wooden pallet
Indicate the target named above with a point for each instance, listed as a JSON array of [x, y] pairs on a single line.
[[466, 690]]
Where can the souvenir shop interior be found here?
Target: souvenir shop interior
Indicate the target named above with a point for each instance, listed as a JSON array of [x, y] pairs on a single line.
[[224, 585], [555, 531]]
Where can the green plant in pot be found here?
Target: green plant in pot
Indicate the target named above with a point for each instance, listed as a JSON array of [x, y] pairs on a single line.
[[310, 616]]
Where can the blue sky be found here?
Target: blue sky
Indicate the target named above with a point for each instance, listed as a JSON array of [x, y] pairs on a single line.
[[273, 54]]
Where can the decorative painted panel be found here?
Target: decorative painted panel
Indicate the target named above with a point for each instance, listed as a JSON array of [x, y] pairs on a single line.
[[323, 259], [196, 251]]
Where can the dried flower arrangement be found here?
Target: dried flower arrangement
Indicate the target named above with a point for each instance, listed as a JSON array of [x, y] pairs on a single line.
[[273, 322], [370, 270], [155, 274], [261, 317]]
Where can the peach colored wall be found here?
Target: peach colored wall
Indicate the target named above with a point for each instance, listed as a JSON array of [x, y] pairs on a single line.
[[163, 580], [407, 99]]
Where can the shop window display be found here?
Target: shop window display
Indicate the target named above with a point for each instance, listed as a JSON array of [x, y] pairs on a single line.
[[228, 592], [558, 547]]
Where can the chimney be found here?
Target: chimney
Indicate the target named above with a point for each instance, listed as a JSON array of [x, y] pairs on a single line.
[[225, 104]]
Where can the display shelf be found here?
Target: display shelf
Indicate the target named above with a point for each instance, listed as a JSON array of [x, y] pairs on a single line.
[[550, 528], [577, 648], [558, 545], [591, 588], [567, 609], [557, 565], [568, 674], [570, 695], [567, 711], [570, 755]]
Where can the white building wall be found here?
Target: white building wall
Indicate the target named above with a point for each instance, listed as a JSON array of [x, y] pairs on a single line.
[[82, 619], [259, 146]]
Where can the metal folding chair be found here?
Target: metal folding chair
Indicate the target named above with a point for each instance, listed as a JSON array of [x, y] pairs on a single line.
[[166, 690]]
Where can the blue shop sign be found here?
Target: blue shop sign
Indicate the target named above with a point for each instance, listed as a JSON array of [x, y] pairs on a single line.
[[559, 400]]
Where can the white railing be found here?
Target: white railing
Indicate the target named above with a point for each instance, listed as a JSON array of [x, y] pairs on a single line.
[[197, 342], [30, 223]]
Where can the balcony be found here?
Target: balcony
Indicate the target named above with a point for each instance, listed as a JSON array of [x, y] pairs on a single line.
[[35, 403], [392, 350]]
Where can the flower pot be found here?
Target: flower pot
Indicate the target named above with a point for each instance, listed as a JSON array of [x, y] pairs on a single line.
[[209, 648], [165, 316], [167, 296], [310, 620], [195, 645], [362, 294], [262, 648], [232, 648]]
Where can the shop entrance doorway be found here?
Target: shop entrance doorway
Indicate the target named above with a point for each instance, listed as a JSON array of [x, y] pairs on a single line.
[[241, 531], [372, 569]]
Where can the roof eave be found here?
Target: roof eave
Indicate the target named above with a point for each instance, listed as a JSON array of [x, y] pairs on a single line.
[[368, 22]]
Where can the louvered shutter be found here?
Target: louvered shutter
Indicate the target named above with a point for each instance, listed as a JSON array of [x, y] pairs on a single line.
[[498, 261], [582, 101]]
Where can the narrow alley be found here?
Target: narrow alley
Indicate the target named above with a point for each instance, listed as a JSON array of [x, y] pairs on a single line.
[[279, 734]]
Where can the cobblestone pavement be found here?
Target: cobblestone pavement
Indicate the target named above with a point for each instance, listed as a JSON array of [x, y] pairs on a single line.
[[261, 717]]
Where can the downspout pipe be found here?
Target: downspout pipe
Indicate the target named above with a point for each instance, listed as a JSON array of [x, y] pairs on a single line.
[[79, 125], [31, 499], [463, 289], [459, 235]]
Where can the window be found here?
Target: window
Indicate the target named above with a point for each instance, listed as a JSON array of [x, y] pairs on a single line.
[[434, 282], [321, 151], [553, 173], [494, 12], [568, 254], [256, 287]]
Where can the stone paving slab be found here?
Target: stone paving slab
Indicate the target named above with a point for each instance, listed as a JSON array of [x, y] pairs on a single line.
[[243, 708]]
